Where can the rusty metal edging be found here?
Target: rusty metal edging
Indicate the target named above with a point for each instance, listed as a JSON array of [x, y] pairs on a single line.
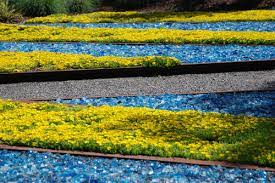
[[201, 68], [141, 157]]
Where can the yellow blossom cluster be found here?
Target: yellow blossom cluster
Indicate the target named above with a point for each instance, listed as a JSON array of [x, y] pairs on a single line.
[[49, 61], [129, 35], [139, 131], [134, 17]]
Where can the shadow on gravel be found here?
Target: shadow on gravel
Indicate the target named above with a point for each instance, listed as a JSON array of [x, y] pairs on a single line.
[[268, 86]]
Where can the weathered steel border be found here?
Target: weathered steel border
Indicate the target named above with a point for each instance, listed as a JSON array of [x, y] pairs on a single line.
[[137, 71], [141, 157]]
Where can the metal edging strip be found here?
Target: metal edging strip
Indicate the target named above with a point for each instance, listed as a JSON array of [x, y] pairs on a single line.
[[141, 157], [203, 68]]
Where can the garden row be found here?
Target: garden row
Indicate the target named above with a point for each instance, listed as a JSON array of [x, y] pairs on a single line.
[[139, 131], [140, 17], [162, 55], [11, 62], [201, 127], [109, 35]]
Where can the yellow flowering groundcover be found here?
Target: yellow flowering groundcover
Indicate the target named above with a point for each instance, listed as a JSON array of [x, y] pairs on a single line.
[[48, 61], [134, 17], [139, 131], [127, 35]]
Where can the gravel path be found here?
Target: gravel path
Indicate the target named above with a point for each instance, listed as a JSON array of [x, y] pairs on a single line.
[[237, 81]]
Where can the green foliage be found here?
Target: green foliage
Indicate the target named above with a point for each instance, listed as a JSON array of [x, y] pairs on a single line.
[[8, 14], [35, 8], [81, 6], [129, 4]]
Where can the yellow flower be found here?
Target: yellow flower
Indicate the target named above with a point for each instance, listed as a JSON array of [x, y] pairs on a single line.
[[135, 130], [46, 61], [126, 35], [99, 17]]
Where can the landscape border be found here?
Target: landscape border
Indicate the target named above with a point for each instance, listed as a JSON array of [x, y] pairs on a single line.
[[140, 157], [199, 68]]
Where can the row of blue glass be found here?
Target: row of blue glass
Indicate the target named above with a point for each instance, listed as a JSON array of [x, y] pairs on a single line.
[[186, 53], [258, 104], [31, 166], [215, 26]]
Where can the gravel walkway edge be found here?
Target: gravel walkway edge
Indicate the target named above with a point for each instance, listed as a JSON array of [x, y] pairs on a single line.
[[189, 83]]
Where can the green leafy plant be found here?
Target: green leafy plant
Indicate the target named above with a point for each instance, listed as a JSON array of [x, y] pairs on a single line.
[[81, 6], [35, 8], [8, 13], [128, 4]]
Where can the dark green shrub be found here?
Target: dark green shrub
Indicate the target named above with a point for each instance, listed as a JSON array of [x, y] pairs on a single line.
[[8, 14], [35, 8], [129, 4], [81, 6]]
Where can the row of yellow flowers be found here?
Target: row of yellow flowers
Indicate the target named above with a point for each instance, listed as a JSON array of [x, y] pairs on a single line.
[[131, 17], [48, 61], [121, 35], [143, 131]]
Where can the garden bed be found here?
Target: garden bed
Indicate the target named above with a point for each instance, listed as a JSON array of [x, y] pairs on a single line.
[[139, 131], [54, 66], [133, 17], [231, 130], [119, 35], [18, 62]]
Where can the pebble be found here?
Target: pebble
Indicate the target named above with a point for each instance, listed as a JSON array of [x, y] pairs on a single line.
[[267, 26], [31, 166], [244, 103], [187, 53]]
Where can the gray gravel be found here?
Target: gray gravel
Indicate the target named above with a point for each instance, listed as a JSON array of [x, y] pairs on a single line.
[[237, 81]]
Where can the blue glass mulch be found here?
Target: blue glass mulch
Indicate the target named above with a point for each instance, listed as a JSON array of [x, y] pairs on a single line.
[[267, 26], [258, 104], [31, 166], [186, 53]]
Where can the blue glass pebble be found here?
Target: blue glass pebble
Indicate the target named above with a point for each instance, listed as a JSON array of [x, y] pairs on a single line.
[[31, 166], [258, 104], [267, 26], [187, 53]]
